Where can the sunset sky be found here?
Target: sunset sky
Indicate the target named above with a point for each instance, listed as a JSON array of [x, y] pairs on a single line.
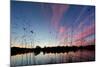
[[46, 24]]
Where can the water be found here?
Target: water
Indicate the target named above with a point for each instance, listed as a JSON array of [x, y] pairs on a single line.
[[51, 58]]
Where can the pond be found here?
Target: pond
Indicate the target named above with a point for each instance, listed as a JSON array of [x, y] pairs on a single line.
[[52, 58]]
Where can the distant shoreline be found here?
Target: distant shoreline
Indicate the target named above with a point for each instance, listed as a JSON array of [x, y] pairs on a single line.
[[57, 49]]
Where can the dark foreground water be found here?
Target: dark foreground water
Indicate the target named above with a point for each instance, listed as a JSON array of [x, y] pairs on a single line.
[[51, 58]]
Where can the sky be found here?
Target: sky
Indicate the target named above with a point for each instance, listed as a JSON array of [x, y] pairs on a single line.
[[48, 24]]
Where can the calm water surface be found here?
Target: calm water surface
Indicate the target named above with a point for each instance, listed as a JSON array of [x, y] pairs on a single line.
[[51, 58]]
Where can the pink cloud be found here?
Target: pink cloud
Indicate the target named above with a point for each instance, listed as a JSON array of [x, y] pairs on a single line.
[[78, 39], [83, 42], [61, 30], [80, 36], [62, 33], [86, 32], [80, 43], [57, 13]]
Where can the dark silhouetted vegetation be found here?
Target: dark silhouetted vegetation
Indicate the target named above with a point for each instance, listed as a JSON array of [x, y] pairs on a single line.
[[57, 49]]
